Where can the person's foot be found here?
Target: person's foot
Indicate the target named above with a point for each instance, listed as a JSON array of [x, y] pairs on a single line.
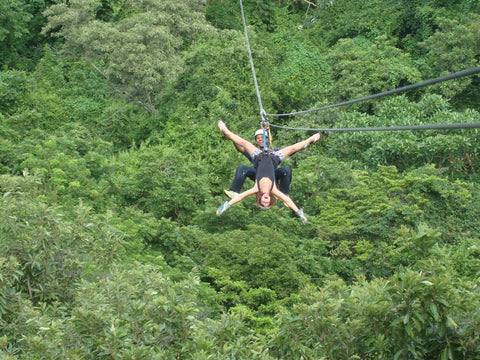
[[230, 193], [312, 139], [315, 138]]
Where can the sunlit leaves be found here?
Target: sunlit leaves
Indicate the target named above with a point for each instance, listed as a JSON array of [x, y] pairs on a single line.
[[410, 316], [50, 250]]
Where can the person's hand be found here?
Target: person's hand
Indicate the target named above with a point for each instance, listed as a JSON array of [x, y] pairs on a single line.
[[223, 208]]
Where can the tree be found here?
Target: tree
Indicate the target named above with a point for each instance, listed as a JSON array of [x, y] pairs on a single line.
[[412, 315], [454, 150], [454, 47], [239, 262], [140, 54], [51, 251], [362, 67], [20, 22], [160, 181]]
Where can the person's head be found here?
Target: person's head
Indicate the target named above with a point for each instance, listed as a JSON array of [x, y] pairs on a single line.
[[265, 201], [259, 137]]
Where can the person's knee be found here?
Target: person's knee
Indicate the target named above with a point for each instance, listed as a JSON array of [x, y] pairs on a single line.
[[287, 171], [284, 172], [242, 170], [245, 171]]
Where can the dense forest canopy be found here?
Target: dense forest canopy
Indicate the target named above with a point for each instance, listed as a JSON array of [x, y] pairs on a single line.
[[112, 168]]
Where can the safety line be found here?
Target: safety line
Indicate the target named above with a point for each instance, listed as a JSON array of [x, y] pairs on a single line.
[[390, 92], [391, 128], [262, 111]]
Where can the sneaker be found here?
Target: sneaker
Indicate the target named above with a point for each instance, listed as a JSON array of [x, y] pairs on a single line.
[[230, 193], [222, 208]]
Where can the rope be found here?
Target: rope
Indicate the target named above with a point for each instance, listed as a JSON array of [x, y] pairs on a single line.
[[390, 92], [262, 111], [392, 128]]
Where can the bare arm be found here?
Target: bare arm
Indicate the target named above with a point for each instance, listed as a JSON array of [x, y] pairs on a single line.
[[285, 198], [244, 194], [290, 203], [236, 199]]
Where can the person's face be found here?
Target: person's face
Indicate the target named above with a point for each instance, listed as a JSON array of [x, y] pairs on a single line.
[[259, 140], [265, 200]]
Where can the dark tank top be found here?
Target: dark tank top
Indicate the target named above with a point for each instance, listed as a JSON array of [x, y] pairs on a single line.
[[264, 164]]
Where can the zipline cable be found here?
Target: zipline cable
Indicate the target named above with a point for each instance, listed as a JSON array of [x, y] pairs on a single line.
[[390, 128], [262, 111], [265, 122], [390, 92]]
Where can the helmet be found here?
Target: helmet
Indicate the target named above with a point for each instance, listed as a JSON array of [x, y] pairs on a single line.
[[260, 132]]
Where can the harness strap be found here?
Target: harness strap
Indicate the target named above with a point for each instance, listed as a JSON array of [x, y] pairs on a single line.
[[265, 137]]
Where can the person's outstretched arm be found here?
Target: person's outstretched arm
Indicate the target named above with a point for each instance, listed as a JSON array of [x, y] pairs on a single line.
[[236, 199], [287, 200], [292, 149]]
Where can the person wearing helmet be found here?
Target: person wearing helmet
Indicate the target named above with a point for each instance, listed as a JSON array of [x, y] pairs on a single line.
[[265, 162], [283, 175]]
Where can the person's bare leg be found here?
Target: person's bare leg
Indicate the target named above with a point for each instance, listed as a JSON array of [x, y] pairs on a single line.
[[292, 149], [239, 142]]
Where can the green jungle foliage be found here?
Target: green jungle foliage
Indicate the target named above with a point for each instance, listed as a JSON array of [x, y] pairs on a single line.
[[112, 168]]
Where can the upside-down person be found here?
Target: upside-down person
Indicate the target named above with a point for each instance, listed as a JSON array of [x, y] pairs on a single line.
[[283, 175], [265, 162]]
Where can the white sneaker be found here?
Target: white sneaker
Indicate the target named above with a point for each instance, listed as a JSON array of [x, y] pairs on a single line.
[[230, 193]]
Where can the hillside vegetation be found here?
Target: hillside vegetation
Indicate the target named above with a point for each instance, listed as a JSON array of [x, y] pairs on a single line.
[[112, 168]]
